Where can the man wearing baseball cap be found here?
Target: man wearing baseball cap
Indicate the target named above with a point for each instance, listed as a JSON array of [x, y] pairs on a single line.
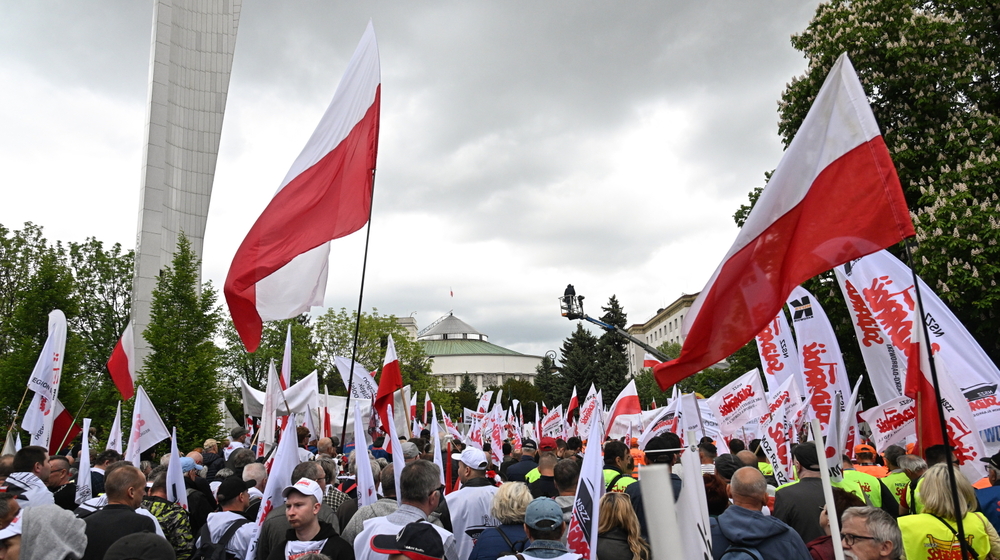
[[237, 440], [865, 455], [469, 506], [308, 534], [229, 527], [417, 541], [989, 497], [543, 522]]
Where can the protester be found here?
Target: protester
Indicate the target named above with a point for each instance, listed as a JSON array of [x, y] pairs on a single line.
[[332, 496], [989, 498], [618, 530], [6, 467], [566, 475], [716, 494], [914, 467], [508, 460], [876, 493], [896, 480], [517, 471], [211, 458], [871, 534], [230, 527], [44, 532], [307, 533], [349, 486], [99, 467], [420, 484], [385, 505], [743, 524], [469, 506], [509, 505], [125, 487], [239, 460], [302, 433], [173, 519], [59, 483], [544, 525], [256, 474], [618, 466], [199, 505], [865, 456], [726, 465], [931, 533], [274, 530], [30, 473], [660, 450], [545, 485], [325, 446], [237, 440], [707, 452], [417, 541], [638, 457], [141, 546], [821, 548]]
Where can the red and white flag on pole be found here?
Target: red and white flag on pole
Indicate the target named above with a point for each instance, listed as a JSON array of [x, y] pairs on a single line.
[[390, 382], [428, 405], [582, 531], [649, 361], [413, 406], [121, 364], [835, 196], [625, 410], [281, 268], [574, 403]]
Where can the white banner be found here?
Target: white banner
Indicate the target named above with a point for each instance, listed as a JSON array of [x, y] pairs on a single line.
[[891, 422], [484, 402], [820, 360], [664, 421], [739, 403], [552, 423], [301, 397], [696, 535], [115, 435], [83, 489], [470, 416], [147, 427], [588, 412], [778, 355], [45, 377], [777, 446], [364, 384]]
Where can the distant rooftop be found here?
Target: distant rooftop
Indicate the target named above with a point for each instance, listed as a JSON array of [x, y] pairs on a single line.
[[450, 327], [464, 347]]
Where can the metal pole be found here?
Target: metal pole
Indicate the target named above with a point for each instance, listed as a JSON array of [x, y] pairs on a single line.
[[357, 323], [953, 484], [13, 422]]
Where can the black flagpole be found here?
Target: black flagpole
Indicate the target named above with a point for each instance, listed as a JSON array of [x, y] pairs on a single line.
[[956, 502], [357, 322]]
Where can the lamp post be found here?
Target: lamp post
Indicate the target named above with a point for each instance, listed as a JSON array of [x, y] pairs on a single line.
[[571, 306]]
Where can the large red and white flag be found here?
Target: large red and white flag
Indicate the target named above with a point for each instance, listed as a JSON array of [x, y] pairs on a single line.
[[279, 477], [820, 361], [624, 411], [147, 427], [176, 492], [778, 354], [834, 196], [582, 530], [121, 364], [390, 382], [281, 268]]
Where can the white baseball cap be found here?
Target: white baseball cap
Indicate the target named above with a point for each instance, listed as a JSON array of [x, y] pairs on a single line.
[[305, 487], [473, 458], [13, 529]]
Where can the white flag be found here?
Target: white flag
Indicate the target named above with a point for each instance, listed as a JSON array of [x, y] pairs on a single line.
[[484, 401], [366, 483], [147, 427], [696, 535], [286, 361], [176, 492], [83, 490], [436, 434], [364, 386], [398, 461], [891, 422], [273, 398], [279, 477], [45, 377], [115, 435], [778, 354], [739, 403]]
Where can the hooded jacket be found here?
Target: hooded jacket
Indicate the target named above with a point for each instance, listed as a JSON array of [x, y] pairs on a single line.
[[52, 533], [743, 527]]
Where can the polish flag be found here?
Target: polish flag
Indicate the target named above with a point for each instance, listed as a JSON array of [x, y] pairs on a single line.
[[626, 406], [281, 268], [545, 409], [121, 364], [413, 406], [574, 403], [835, 196], [428, 405], [652, 404], [919, 387], [390, 382], [649, 361]]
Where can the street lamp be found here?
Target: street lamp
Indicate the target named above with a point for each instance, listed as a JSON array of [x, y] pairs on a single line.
[[571, 307]]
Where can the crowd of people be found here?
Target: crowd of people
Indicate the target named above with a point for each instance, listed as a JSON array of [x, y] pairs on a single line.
[[889, 505]]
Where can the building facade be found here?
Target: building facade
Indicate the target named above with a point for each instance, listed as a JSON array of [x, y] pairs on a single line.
[[458, 349], [191, 59], [663, 327]]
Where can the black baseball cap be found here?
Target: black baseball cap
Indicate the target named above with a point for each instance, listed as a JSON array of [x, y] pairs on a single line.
[[417, 541], [806, 455], [993, 461], [232, 487]]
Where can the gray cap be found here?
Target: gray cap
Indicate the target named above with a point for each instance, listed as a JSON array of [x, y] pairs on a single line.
[[409, 450], [543, 514]]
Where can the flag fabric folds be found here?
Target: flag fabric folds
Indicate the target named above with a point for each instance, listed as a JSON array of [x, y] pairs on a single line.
[[44, 382], [115, 435], [834, 196], [625, 410], [121, 364], [176, 492], [147, 427], [279, 477], [280, 270], [83, 490], [390, 382], [364, 385], [739, 403], [365, 480], [582, 530]]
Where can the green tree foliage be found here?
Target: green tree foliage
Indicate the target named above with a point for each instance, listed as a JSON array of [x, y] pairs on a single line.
[[466, 397], [334, 335], [579, 366], [645, 382], [181, 373], [523, 391], [551, 382], [612, 353]]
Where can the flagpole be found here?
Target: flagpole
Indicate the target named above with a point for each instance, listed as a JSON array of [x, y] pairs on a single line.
[[18, 412], [357, 322], [953, 484]]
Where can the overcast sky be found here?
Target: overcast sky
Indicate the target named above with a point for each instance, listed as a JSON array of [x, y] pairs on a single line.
[[524, 145]]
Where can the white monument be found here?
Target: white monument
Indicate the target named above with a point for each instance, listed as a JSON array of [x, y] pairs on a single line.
[[190, 61]]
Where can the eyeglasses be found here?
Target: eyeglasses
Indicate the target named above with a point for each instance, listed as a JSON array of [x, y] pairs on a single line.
[[851, 539]]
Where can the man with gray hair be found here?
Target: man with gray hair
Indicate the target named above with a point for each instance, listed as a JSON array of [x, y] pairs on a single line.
[[420, 485], [257, 473], [914, 467], [869, 533], [743, 527]]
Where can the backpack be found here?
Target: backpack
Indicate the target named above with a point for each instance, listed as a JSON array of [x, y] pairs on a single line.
[[216, 551], [736, 552]]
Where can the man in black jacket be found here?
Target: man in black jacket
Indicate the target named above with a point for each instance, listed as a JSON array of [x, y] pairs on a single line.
[[308, 534], [125, 487]]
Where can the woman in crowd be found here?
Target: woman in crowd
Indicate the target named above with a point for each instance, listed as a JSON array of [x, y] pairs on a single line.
[[932, 533], [715, 493], [821, 548], [618, 535], [509, 504]]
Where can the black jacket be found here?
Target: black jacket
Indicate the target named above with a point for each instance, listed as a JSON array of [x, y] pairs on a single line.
[[106, 526], [336, 548]]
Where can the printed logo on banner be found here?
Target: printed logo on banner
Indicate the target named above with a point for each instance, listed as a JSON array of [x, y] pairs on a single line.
[[801, 309], [870, 331], [820, 376], [733, 402], [772, 351]]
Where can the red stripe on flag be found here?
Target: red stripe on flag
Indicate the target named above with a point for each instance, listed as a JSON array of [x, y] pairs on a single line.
[[60, 426], [329, 200], [119, 370], [853, 208]]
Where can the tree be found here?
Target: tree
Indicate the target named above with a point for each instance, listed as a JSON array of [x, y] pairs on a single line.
[[334, 334], [579, 364], [551, 382], [468, 385], [612, 353], [181, 373]]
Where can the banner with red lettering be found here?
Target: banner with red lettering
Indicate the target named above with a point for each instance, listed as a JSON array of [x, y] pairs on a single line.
[[777, 445], [689, 419], [820, 360], [886, 286], [891, 422], [778, 354], [785, 402], [664, 421], [589, 411], [739, 403], [552, 423]]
